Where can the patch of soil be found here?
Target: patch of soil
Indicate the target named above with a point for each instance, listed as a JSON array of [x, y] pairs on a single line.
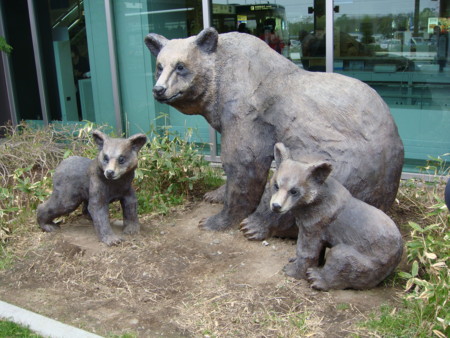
[[176, 280]]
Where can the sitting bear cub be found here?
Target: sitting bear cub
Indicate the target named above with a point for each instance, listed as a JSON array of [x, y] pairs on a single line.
[[96, 183], [365, 243]]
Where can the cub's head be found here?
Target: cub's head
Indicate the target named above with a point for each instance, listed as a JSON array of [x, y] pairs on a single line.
[[183, 68], [295, 183], [118, 156]]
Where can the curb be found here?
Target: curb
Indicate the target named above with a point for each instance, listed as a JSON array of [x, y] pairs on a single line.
[[40, 324]]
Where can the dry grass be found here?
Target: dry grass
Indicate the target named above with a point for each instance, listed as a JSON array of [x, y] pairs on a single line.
[[42, 148]]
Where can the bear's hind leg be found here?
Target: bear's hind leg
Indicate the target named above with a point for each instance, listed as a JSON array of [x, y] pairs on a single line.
[[345, 268], [52, 208]]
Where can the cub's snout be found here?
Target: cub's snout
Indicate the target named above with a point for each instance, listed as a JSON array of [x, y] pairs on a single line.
[[276, 207], [109, 174]]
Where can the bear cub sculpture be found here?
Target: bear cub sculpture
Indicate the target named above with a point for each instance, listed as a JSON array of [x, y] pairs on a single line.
[[96, 183], [365, 244]]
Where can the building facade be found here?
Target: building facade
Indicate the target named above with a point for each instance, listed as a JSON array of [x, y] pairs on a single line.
[[78, 60]]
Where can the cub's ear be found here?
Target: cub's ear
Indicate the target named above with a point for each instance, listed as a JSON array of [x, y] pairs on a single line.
[[207, 40], [320, 171], [137, 141], [155, 43], [99, 138], [280, 153]]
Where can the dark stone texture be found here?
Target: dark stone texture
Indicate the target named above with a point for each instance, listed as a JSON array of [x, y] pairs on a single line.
[[255, 97]]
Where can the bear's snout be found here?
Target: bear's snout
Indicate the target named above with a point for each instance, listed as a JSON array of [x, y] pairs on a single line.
[[158, 91], [276, 207], [109, 174]]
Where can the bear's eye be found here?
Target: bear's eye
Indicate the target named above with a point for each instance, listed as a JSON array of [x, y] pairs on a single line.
[[121, 159], [105, 158], [159, 69], [180, 67], [276, 187], [294, 192]]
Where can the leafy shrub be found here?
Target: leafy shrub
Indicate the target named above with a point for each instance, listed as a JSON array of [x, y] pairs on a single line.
[[171, 169], [426, 284]]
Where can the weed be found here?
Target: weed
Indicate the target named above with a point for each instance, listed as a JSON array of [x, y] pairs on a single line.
[[342, 306], [392, 322], [171, 170], [426, 298], [10, 329]]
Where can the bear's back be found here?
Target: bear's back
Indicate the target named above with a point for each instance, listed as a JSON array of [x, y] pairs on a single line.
[[72, 172]]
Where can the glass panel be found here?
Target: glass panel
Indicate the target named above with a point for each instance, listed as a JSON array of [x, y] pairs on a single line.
[[401, 49], [294, 28], [133, 21], [73, 71]]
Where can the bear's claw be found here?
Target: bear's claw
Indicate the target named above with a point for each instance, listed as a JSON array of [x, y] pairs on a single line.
[[292, 270], [315, 278], [215, 196], [50, 227], [110, 240], [252, 231]]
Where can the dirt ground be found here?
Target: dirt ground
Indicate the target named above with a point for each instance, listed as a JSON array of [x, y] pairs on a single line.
[[178, 281]]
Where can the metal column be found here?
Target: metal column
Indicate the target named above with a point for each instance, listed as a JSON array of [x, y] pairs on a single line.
[[8, 79], [329, 36], [38, 60], [113, 66], [206, 8]]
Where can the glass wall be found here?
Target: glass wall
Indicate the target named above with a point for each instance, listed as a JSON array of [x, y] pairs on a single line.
[[133, 21], [294, 28], [401, 49]]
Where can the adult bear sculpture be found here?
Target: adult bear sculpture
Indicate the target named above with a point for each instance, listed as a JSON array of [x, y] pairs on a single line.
[[255, 97]]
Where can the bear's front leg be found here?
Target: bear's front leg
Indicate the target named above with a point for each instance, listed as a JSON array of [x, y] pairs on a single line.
[[264, 223], [99, 211], [246, 169], [130, 217], [308, 250]]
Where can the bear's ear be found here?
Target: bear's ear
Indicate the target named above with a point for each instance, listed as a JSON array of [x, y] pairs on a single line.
[[99, 138], [155, 43], [207, 40], [280, 153], [137, 141], [320, 171]]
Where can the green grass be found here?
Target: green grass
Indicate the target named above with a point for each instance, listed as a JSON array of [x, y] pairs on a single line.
[[426, 310], [10, 329]]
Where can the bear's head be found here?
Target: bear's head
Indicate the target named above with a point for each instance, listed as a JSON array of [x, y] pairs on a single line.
[[295, 184], [117, 156], [184, 69]]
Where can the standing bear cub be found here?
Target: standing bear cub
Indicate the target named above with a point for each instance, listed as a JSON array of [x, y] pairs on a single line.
[[96, 183], [365, 243]]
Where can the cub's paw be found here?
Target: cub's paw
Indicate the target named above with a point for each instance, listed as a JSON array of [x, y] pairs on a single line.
[[112, 239], [215, 196], [315, 278], [292, 270], [254, 231], [216, 223], [131, 228], [49, 227]]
